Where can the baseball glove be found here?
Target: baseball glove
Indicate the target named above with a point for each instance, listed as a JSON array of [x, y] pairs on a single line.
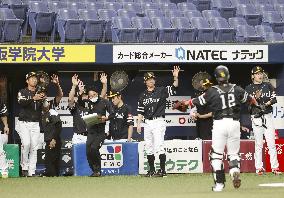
[[180, 106], [201, 80], [257, 110]]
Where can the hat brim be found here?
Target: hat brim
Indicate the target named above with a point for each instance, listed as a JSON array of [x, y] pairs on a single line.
[[258, 71], [113, 95], [154, 77]]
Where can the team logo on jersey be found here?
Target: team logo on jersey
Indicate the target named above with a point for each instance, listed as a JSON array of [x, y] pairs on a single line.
[[150, 100], [119, 116], [112, 156]]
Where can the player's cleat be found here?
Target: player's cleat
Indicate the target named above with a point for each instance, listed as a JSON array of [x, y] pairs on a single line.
[[218, 187], [260, 171], [236, 180], [276, 171], [4, 174], [25, 173], [160, 173], [150, 174], [95, 174]]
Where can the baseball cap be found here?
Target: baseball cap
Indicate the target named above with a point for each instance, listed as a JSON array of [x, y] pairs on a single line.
[[148, 75], [256, 69], [113, 94], [30, 74]]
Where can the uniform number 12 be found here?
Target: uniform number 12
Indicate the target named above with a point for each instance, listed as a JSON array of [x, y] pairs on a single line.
[[230, 99]]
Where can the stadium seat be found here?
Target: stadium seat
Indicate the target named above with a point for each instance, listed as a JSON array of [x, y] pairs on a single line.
[[166, 33], [75, 5], [186, 6], [273, 37], [113, 6], [55, 6], [20, 10], [146, 33], [126, 13], [262, 30], [247, 34], [11, 26], [153, 13], [123, 1], [123, 31], [142, 1], [172, 13], [224, 7], [168, 6], [70, 27], [204, 32], [106, 15], [223, 31], [201, 4], [273, 19], [41, 20], [133, 6], [261, 8], [235, 3], [150, 6], [192, 13], [255, 2], [161, 1], [208, 14], [186, 33], [249, 13], [93, 27], [236, 21]]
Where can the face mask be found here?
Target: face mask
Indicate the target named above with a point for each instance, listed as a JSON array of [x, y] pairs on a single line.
[[94, 99]]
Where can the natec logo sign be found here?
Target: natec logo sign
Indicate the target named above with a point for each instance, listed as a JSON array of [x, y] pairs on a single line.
[[180, 53], [112, 156]]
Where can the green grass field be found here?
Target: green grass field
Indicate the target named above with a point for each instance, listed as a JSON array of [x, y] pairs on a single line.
[[190, 185]]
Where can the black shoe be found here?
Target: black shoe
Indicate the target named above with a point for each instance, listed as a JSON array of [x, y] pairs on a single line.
[[95, 174], [161, 173], [25, 173], [150, 173]]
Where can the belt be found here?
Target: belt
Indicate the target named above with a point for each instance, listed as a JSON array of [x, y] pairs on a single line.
[[154, 118]]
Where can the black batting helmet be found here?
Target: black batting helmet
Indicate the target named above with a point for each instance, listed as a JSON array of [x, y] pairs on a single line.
[[222, 73]]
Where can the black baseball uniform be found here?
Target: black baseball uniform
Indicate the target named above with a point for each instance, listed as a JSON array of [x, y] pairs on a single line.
[[122, 119]]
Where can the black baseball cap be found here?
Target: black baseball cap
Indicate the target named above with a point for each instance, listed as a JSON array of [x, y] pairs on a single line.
[[149, 75], [30, 74], [257, 69], [113, 94]]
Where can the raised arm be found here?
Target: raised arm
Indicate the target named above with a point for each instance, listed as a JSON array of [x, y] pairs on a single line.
[[71, 98], [59, 95]]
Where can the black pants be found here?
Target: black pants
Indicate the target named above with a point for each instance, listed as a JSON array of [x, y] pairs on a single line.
[[95, 140], [52, 159]]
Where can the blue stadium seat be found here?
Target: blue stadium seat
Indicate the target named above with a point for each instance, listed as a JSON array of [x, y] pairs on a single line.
[[186, 33], [126, 13], [192, 13], [20, 10], [224, 7], [107, 15], [113, 6], [235, 3], [161, 1], [168, 6], [55, 6], [172, 13], [208, 14], [94, 28], [153, 13], [150, 6], [70, 27], [236, 21], [41, 20], [201, 4], [255, 2], [262, 30], [123, 31], [186, 6], [76, 5], [142, 1], [261, 8], [166, 33], [223, 31], [249, 13], [247, 34], [273, 19], [205, 32], [273, 37], [122, 1], [146, 33], [11, 30], [133, 6]]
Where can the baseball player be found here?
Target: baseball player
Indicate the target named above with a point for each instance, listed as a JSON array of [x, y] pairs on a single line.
[[121, 126], [224, 100], [78, 109], [4, 132], [151, 106], [262, 125], [30, 100]]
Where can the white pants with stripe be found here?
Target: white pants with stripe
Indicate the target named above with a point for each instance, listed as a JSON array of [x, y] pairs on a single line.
[[154, 132], [269, 134], [29, 133], [3, 161], [226, 132]]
